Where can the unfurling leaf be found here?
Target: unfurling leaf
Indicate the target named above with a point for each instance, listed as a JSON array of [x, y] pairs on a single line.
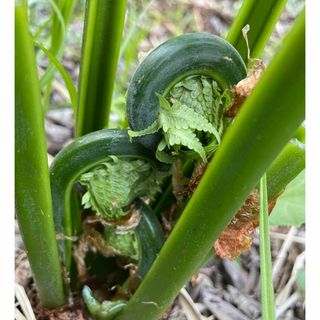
[[191, 118], [154, 127], [183, 117], [176, 137], [114, 184]]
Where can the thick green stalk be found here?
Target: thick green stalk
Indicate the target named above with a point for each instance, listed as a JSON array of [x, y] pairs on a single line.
[[267, 120], [100, 50], [267, 295], [33, 196], [287, 165], [261, 16]]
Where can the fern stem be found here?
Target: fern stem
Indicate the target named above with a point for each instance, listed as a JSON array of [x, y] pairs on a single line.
[[261, 16], [33, 198], [267, 295], [100, 50]]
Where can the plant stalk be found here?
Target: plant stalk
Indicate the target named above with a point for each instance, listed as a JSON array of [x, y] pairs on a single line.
[[262, 17], [267, 295], [103, 28], [32, 185]]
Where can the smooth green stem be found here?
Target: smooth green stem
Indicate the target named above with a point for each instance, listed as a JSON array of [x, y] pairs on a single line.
[[266, 122], [262, 17], [65, 76], [41, 28], [288, 164], [100, 50], [267, 295], [32, 192]]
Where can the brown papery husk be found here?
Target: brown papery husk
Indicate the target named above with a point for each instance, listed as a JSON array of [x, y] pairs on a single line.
[[244, 87]]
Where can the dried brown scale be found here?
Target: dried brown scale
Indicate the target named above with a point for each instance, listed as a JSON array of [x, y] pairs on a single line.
[[92, 240], [135, 279], [194, 180], [244, 88], [179, 181], [237, 237], [272, 203], [128, 222]]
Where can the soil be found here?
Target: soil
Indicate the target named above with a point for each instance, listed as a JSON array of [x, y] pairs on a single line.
[[223, 289]]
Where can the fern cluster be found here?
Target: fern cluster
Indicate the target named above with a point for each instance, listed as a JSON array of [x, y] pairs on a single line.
[[190, 117], [115, 183]]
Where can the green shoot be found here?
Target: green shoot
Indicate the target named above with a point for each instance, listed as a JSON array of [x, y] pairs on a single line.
[[261, 17], [67, 80], [32, 184], [267, 295], [104, 22]]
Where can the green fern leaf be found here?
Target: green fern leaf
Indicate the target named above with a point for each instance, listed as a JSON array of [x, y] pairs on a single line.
[[185, 138], [153, 128], [195, 106], [162, 155], [114, 184], [180, 116]]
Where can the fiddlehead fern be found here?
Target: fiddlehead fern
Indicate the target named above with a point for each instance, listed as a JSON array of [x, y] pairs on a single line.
[[115, 183], [182, 89], [79, 157], [106, 310], [116, 173]]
